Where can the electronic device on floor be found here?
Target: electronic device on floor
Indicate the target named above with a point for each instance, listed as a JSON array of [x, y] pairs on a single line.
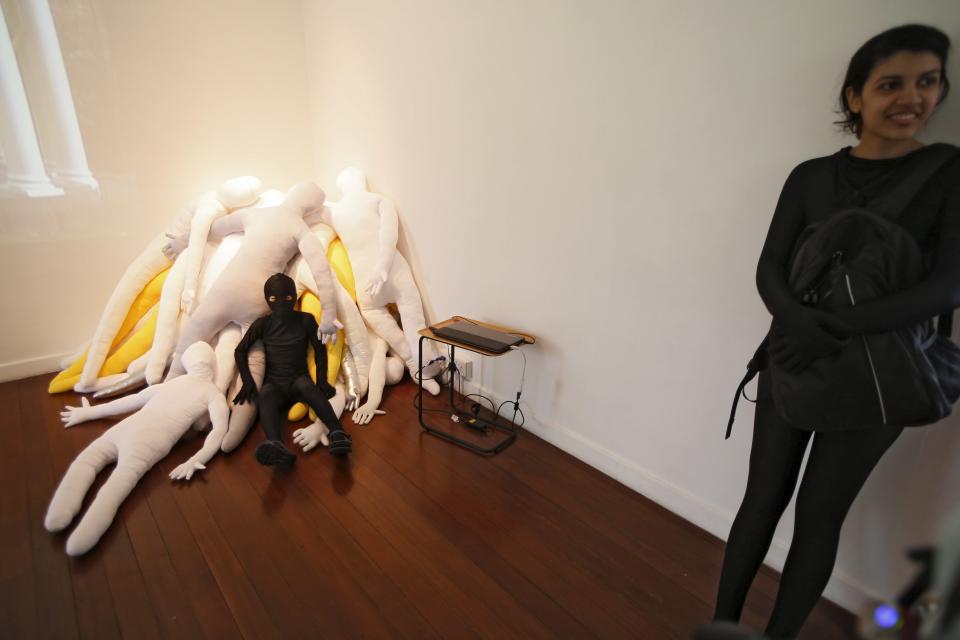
[[478, 336]]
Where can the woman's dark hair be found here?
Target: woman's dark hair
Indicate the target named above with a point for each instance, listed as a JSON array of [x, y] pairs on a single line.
[[910, 37]]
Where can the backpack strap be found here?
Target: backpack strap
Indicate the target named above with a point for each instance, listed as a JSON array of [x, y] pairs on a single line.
[[892, 203], [757, 364]]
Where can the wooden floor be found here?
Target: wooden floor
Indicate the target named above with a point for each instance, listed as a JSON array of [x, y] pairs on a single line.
[[410, 537]]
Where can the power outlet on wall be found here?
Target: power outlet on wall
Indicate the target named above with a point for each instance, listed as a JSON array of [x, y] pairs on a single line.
[[465, 367]]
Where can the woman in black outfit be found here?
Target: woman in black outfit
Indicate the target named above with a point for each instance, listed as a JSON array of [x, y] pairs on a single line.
[[892, 86]]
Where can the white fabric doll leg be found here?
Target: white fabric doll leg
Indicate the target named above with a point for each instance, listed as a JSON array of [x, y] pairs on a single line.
[[355, 333], [210, 318], [378, 375], [77, 481], [394, 370], [99, 516], [386, 327], [383, 324], [227, 341], [143, 444], [243, 416], [309, 437], [411, 317], [226, 362]]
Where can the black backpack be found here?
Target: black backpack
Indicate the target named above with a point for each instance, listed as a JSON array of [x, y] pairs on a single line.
[[907, 377]]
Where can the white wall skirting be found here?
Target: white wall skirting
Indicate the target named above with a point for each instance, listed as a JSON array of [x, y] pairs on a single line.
[[31, 366], [842, 589]]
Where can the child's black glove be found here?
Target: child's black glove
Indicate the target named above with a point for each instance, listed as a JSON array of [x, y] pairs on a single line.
[[247, 392]]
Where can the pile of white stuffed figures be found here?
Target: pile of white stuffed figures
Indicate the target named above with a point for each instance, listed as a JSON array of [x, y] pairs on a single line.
[[171, 326]]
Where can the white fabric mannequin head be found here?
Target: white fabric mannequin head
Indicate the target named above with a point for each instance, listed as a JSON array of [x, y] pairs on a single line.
[[239, 192], [199, 360], [351, 180], [305, 196]]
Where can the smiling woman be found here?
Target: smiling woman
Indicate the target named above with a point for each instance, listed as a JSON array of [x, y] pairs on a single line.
[[893, 84]]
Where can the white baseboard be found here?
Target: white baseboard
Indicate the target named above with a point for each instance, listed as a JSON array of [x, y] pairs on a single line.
[[842, 589], [18, 369]]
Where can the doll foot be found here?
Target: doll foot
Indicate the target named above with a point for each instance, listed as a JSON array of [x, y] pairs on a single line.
[[340, 443], [272, 453], [435, 367], [431, 386]]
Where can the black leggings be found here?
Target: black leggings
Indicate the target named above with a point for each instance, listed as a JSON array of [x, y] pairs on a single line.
[[275, 399], [838, 465]]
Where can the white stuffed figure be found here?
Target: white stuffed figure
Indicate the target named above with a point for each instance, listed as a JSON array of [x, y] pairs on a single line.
[[272, 237], [164, 412], [135, 284], [367, 224], [384, 369]]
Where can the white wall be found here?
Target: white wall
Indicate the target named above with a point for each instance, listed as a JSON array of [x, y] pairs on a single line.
[[599, 174], [172, 97], [602, 175]]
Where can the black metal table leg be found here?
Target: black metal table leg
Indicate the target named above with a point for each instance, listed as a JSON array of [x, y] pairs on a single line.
[[468, 420]]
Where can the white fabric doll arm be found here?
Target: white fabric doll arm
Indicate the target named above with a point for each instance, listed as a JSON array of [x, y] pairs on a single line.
[[219, 416], [348, 369], [355, 332], [178, 232], [318, 217], [387, 246], [141, 271], [224, 226], [208, 210], [127, 404], [378, 377], [313, 253], [165, 335]]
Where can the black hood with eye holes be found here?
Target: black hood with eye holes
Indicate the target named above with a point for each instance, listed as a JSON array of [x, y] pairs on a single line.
[[281, 286]]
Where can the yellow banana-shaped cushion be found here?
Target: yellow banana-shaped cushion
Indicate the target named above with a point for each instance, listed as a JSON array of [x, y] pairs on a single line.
[[143, 303], [340, 263], [310, 304]]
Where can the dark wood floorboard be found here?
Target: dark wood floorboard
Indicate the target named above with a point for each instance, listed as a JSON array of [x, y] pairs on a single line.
[[410, 537]]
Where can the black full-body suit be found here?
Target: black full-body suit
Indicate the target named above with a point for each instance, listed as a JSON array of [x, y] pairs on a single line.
[[285, 334], [839, 462]]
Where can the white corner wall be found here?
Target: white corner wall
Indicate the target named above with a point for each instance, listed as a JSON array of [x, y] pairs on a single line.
[[172, 98], [602, 175]]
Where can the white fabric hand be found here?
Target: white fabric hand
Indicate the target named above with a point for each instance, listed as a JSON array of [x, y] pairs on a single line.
[[327, 332], [176, 245], [375, 283], [365, 414], [309, 437], [185, 470], [352, 402], [76, 415]]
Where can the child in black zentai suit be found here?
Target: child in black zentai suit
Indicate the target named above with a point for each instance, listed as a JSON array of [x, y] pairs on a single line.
[[285, 334]]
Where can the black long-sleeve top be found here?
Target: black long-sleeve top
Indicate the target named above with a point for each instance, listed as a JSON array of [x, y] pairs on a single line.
[[820, 187], [285, 339]]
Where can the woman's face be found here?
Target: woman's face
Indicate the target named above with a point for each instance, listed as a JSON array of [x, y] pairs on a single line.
[[899, 95]]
